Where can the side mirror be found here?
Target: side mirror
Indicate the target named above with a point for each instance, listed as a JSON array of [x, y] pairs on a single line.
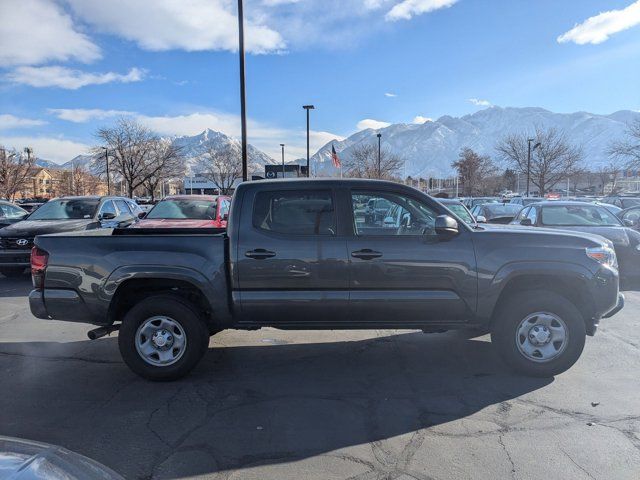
[[107, 216], [481, 219], [141, 215], [225, 217], [628, 222], [526, 222], [445, 225]]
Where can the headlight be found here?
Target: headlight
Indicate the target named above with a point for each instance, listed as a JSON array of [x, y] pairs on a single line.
[[603, 255]]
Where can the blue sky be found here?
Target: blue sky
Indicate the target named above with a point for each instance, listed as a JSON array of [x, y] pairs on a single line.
[[70, 66]]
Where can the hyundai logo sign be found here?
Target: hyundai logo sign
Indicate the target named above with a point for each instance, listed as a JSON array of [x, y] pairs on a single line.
[[23, 242]]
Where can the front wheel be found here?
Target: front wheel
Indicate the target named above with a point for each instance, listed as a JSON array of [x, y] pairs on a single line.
[[162, 338], [539, 333]]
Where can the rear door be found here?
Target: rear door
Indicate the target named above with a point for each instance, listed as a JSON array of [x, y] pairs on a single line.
[[292, 268], [407, 275]]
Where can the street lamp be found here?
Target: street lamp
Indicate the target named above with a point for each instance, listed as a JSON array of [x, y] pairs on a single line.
[[307, 108], [243, 98], [106, 161], [282, 145], [529, 149], [379, 135]]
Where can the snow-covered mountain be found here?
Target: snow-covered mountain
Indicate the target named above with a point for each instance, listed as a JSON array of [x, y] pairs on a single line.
[[431, 147]]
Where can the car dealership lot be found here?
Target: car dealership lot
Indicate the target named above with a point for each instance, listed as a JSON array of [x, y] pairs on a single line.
[[362, 404]]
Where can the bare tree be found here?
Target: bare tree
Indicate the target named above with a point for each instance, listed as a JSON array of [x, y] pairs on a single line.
[[15, 169], [628, 150], [475, 172], [76, 181], [221, 165], [363, 163], [134, 153], [167, 164], [610, 173], [553, 161]]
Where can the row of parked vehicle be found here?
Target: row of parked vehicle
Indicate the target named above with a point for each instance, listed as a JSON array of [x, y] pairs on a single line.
[[605, 217], [69, 214]]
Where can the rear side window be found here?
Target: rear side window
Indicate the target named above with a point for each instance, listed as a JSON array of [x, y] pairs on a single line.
[[123, 207], [295, 212]]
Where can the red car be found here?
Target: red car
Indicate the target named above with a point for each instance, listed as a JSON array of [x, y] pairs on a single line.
[[187, 211]]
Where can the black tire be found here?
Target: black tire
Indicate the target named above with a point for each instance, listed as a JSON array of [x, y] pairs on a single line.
[[179, 311], [12, 272], [518, 308]]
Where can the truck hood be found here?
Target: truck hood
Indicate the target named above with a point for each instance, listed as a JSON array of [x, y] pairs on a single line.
[[31, 228], [496, 229], [175, 223]]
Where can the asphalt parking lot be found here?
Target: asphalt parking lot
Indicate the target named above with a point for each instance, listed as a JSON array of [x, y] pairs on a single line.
[[325, 405]]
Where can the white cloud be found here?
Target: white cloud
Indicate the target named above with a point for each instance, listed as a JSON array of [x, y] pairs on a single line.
[[479, 102], [599, 28], [407, 9], [37, 31], [8, 121], [370, 123], [67, 78], [419, 119], [58, 150], [390, 95], [194, 25], [276, 3], [82, 115]]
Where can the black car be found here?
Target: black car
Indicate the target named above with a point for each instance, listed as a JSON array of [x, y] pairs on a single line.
[[65, 214], [10, 213], [588, 218], [501, 213], [622, 201]]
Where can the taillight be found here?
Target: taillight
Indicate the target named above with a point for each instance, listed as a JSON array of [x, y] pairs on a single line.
[[39, 260]]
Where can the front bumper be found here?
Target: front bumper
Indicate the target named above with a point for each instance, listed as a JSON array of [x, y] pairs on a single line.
[[619, 306], [15, 258]]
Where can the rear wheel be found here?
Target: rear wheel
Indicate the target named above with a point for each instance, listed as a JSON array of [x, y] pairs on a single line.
[[162, 338], [12, 272], [539, 333]]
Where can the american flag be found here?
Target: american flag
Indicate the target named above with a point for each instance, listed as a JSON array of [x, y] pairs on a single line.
[[335, 158]]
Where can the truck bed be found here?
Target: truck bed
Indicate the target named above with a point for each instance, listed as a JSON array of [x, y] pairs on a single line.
[[85, 269]]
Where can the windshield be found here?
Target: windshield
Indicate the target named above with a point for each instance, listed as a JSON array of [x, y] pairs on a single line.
[[184, 210], [629, 202], [501, 210], [578, 215], [67, 209], [461, 212]]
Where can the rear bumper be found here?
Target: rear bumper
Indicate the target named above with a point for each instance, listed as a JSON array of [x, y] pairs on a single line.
[[59, 304], [15, 258]]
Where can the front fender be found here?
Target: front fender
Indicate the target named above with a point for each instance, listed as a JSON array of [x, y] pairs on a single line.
[[492, 287]]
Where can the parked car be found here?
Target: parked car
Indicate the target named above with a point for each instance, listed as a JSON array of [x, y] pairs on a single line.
[[501, 213], [27, 460], [293, 257], [622, 201], [10, 213], [588, 218], [31, 206], [630, 217], [472, 202], [64, 214], [187, 211], [459, 209], [524, 201]]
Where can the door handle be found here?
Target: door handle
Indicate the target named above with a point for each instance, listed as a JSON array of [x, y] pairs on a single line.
[[259, 254], [366, 254]]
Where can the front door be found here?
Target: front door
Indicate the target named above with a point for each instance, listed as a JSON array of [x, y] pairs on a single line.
[[403, 274], [292, 265]]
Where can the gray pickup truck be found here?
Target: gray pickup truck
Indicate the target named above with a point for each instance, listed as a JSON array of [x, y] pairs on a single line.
[[300, 254]]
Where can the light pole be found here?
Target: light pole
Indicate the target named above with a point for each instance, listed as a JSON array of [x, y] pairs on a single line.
[[282, 145], [529, 149], [243, 98], [106, 161], [307, 108], [379, 135]]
